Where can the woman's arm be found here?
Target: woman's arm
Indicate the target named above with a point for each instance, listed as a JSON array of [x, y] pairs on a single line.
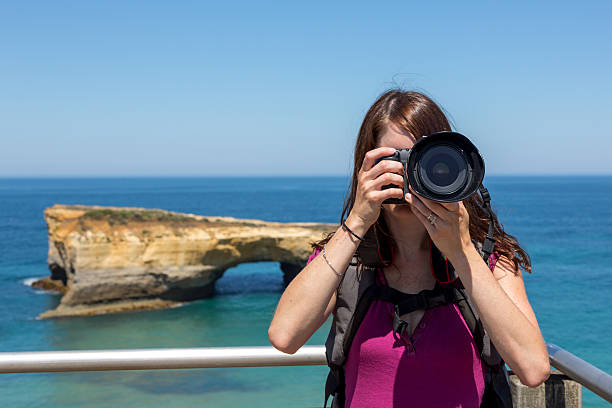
[[311, 295], [506, 315]]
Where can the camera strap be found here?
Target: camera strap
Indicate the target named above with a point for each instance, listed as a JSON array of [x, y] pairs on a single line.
[[489, 241]]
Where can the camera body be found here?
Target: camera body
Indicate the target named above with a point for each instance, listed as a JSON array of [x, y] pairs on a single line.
[[443, 166]]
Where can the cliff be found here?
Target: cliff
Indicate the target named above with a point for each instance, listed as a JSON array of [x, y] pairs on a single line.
[[110, 259]]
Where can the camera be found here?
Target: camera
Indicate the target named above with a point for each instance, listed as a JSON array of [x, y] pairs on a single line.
[[443, 166]]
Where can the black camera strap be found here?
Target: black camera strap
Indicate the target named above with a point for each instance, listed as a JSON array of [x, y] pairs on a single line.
[[489, 241]]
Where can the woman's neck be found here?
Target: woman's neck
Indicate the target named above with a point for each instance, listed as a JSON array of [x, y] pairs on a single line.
[[410, 271], [410, 236]]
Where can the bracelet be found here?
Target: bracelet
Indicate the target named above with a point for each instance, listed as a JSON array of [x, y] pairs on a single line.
[[349, 230], [330, 265]]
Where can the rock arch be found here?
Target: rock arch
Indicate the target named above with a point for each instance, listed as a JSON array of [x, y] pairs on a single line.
[[111, 259]]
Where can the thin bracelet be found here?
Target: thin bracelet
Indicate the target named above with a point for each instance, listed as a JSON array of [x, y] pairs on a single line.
[[349, 230], [330, 265]]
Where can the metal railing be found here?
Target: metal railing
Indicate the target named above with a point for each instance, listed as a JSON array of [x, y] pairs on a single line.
[[157, 359], [579, 370]]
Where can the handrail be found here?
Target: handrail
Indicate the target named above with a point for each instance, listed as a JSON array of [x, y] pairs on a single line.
[[157, 359], [579, 370]]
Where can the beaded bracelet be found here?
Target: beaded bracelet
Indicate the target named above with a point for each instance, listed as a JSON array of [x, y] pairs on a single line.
[[349, 230], [330, 265]]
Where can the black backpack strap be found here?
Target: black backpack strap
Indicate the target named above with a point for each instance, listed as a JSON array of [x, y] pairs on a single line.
[[360, 311], [352, 303], [497, 393], [409, 302], [334, 385], [473, 322]]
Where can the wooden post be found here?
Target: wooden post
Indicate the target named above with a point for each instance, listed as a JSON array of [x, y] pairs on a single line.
[[559, 391]]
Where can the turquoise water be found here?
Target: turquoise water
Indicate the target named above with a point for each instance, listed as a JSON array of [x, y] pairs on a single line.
[[565, 223]]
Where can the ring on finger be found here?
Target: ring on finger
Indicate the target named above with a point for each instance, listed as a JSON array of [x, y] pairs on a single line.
[[432, 218]]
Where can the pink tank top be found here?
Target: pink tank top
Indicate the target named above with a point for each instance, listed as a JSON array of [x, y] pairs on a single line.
[[438, 366]]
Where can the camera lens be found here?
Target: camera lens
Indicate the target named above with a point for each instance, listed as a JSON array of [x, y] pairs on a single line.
[[443, 169], [444, 166]]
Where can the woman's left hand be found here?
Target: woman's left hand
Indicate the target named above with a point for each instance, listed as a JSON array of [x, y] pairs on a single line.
[[450, 230]]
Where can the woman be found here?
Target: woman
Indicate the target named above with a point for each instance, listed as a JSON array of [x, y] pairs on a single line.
[[377, 370]]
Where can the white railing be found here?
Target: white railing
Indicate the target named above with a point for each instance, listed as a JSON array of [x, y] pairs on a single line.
[[579, 370], [157, 359]]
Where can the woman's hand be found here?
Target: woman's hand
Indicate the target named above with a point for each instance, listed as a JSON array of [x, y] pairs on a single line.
[[370, 180], [450, 230]]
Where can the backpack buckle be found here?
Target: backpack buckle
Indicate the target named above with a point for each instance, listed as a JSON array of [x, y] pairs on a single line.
[[399, 326]]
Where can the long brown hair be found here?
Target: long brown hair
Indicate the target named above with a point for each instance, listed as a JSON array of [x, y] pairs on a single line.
[[418, 114]]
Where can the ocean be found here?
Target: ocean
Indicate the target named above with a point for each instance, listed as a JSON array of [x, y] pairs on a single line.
[[563, 222]]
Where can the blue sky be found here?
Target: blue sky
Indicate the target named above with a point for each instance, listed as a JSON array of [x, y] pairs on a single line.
[[115, 88]]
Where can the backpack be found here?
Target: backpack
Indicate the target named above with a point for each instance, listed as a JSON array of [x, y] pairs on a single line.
[[358, 288]]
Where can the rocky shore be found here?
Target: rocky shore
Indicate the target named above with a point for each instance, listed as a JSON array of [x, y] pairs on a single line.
[[112, 259]]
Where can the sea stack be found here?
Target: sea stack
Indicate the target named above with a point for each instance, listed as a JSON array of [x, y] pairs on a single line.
[[113, 259]]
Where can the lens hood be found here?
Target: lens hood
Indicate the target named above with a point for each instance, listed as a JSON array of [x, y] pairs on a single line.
[[445, 166]]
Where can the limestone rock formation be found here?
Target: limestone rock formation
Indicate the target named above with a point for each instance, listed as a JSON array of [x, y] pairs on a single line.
[[110, 259]]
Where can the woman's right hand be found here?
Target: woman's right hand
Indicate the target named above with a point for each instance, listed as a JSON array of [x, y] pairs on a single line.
[[370, 180]]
